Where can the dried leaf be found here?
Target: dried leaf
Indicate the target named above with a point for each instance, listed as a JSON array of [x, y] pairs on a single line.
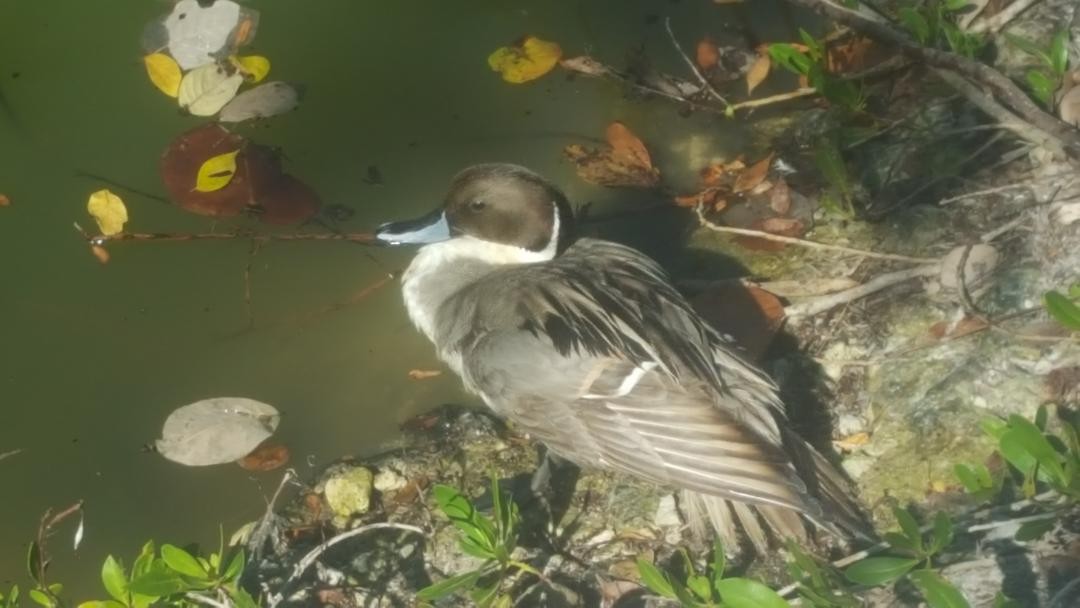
[[602, 168], [254, 67], [849, 56], [266, 457], [585, 65], [108, 211], [216, 431], [216, 172], [780, 197], [852, 442], [783, 226], [626, 146], [205, 90], [713, 175], [185, 155], [424, 374], [757, 73], [263, 101], [1069, 106], [527, 60], [753, 175], [707, 54], [710, 197], [164, 72], [100, 253], [4, 200]]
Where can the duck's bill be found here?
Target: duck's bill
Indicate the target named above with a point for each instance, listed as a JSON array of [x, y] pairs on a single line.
[[431, 228]]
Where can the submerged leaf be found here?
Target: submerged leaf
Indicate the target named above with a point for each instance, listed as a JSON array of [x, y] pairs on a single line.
[[626, 146], [266, 457], [625, 163], [164, 72], [527, 60], [108, 211], [216, 172], [707, 54], [216, 431]]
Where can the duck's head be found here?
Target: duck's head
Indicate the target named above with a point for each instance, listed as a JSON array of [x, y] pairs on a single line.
[[497, 204]]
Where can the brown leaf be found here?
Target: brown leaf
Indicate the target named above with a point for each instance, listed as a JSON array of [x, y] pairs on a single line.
[[780, 197], [626, 146], [849, 56], [751, 315], [1069, 106], [424, 374], [757, 72], [713, 174], [804, 82], [266, 457], [421, 423], [707, 54], [100, 253], [782, 226], [602, 168], [4, 200], [753, 175], [709, 197]]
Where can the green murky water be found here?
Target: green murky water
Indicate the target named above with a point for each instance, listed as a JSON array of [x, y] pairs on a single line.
[[93, 358]]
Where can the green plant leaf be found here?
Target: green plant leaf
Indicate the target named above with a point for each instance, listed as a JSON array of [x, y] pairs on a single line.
[[739, 592], [719, 563], [42, 598], [955, 5], [102, 604], [451, 585], [654, 579], [235, 567], [1041, 85], [33, 561], [939, 593], [1033, 530], [1063, 309], [1059, 53], [915, 23], [968, 478], [910, 527], [1034, 442], [874, 571], [699, 585], [1002, 601], [791, 58], [241, 598], [114, 579], [942, 532], [182, 562], [901, 542], [159, 581], [994, 427], [142, 564]]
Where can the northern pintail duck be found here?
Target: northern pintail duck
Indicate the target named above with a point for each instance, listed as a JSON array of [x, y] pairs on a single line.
[[588, 347]]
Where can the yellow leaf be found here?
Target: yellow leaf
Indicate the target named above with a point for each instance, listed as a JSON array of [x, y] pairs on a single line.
[[528, 60], [108, 211], [254, 67], [216, 172], [757, 73], [164, 72]]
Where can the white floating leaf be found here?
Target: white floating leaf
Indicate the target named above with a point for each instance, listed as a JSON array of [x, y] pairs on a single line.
[[265, 100], [216, 431], [197, 33], [204, 91]]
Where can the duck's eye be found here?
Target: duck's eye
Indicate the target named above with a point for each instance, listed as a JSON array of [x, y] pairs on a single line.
[[477, 205]]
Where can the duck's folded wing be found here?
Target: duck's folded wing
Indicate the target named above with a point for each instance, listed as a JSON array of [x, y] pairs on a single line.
[[609, 412]]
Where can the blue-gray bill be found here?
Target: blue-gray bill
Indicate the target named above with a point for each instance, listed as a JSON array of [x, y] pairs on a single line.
[[430, 228]]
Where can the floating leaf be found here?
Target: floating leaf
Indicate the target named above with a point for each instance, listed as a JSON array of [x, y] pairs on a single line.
[[626, 146], [108, 211], [424, 374], [205, 90], [254, 67], [526, 60], [164, 72], [266, 457], [216, 172], [4, 200], [707, 54], [263, 101], [180, 166], [757, 73], [585, 65], [216, 431], [197, 33]]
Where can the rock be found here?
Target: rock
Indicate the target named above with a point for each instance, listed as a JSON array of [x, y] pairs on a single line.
[[981, 262], [666, 513], [349, 493], [388, 480]]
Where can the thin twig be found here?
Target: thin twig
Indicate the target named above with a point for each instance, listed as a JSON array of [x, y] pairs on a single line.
[[1025, 183], [264, 527], [313, 555], [693, 67], [811, 244], [764, 101], [1000, 20], [823, 303]]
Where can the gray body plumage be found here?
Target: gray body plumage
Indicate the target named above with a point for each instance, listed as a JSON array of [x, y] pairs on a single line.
[[594, 353]]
